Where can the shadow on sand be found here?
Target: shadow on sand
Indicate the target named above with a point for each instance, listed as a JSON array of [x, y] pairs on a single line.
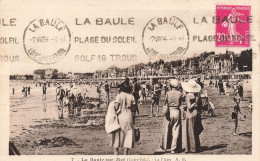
[[246, 134], [208, 148], [203, 148]]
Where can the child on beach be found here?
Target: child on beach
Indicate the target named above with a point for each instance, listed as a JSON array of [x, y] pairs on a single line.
[[236, 111]]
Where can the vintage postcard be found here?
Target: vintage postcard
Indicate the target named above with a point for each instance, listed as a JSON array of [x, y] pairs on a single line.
[[129, 80]]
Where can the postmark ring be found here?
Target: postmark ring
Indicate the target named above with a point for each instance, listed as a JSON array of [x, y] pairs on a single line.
[[47, 41], [165, 38]]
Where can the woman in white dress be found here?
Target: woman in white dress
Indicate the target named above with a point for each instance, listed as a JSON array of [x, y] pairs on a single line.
[[124, 107]]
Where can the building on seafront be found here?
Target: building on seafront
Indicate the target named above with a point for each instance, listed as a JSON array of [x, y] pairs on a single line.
[[51, 73], [210, 64], [45, 74], [39, 74]]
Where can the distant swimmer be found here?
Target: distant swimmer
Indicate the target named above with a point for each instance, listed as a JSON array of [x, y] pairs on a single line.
[[24, 91], [29, 89]]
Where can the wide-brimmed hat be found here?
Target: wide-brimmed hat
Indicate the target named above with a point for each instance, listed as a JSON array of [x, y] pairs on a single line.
[[174, 82], [191, 86]]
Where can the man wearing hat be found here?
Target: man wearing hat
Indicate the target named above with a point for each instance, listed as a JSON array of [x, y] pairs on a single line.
[[71, 98], [172, 129], [59, 96]]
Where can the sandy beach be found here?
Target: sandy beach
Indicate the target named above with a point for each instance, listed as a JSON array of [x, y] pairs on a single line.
[[35, 128]]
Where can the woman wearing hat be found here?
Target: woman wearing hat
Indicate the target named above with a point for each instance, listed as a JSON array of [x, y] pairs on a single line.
[[124, 107], [172, 129], [193, 117]]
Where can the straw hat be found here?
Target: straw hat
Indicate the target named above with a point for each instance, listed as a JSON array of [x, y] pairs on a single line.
[[174, 82], [191, 86]]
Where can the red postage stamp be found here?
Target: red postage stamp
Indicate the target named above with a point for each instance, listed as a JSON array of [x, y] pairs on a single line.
[[233, 26]]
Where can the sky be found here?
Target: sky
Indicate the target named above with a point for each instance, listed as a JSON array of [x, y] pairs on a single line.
[[139, 14]]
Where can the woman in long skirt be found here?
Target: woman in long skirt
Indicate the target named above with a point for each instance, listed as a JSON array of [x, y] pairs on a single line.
[[124, 107], [172, 129], [193, 117]]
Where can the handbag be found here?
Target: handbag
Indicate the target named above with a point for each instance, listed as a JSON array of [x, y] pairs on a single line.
[[137, 134]]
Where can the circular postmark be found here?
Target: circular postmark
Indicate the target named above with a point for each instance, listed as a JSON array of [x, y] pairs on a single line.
[[165, 38], [46, 41]]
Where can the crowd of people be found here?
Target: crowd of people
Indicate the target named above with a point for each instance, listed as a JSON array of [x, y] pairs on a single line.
[[26, 91], [126, 105], [184, 100], [180, 96], [223, 85]]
